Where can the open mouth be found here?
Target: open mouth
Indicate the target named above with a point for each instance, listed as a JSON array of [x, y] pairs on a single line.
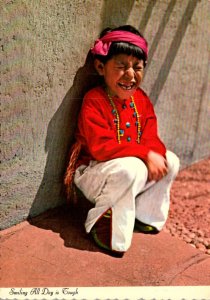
[[127, 86]]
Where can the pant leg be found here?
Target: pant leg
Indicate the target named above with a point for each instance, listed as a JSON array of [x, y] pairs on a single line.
[[152, 205], [113, 184]]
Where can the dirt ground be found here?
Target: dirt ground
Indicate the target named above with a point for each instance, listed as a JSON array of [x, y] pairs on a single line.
[[189, 217]]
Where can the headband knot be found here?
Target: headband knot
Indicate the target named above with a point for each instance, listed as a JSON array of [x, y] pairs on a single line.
[[101, 48], [102, 45]]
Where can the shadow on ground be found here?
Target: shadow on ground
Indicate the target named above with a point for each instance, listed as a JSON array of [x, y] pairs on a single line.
[[68, 220]]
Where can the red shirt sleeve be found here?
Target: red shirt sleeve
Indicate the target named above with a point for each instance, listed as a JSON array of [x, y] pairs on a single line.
[[98, 134]]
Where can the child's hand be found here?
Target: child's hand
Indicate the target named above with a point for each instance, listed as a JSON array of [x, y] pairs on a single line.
[[157, 166]]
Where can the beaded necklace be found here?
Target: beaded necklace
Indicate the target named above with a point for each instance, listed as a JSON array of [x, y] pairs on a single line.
[[136, 114]]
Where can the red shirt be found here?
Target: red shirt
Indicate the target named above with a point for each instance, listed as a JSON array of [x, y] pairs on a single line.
[[97, 130]]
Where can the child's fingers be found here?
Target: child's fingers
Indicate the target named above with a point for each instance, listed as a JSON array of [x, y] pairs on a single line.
[[157, 173]]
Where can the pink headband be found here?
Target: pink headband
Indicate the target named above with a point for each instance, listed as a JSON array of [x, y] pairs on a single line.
[[103, 44]]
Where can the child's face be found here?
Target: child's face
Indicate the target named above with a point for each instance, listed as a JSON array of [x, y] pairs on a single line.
[[122, 74]]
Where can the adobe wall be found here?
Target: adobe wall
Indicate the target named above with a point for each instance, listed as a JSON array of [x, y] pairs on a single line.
[[44, 76]]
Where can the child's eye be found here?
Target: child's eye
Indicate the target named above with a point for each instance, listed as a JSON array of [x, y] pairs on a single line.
[[121, 67], [138, 68]]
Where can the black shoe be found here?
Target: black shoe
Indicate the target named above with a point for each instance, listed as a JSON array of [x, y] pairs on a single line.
[[145, 228]]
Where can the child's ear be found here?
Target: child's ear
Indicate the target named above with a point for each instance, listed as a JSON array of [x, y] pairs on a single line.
[[99, 66]]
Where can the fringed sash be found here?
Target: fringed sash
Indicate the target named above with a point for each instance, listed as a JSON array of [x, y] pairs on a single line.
[[69, 175]]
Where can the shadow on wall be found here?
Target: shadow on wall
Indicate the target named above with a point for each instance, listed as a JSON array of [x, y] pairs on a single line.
[[60, 136], [116, 13], [173, 49], [60, 133]]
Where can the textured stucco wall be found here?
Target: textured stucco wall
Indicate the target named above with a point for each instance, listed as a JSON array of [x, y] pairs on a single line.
[[43, 77]]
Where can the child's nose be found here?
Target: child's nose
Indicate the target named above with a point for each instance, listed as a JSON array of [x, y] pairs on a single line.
[[130, 73]]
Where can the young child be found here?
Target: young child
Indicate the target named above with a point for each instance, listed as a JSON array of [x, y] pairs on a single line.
[[123, 167]]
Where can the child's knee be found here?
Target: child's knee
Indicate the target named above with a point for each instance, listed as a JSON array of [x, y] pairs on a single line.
[[132, 168], [173, 163]]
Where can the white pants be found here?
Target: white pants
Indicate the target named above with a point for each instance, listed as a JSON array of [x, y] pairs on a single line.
[[122, 185]]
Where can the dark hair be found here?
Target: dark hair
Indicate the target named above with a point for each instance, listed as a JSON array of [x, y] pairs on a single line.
[[122, 47]]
